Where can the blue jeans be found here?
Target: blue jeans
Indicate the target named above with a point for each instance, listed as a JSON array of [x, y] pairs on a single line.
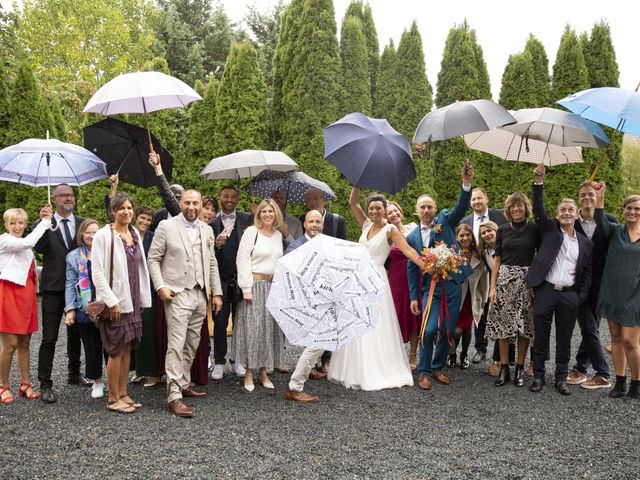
[[429, 361]]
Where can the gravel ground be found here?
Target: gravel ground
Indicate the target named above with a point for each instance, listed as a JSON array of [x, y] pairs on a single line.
[[469, 429]]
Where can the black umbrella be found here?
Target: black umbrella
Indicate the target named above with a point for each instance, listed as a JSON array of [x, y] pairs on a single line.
[[125, 150]]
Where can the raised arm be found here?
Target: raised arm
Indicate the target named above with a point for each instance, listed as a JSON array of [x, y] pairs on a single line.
[[356, 209], [457, 212], [600, 217], [170, 202]]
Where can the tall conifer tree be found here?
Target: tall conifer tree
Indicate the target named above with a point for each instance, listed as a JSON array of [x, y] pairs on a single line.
[[355, 79], [241, 106], [540, 71], [570, 75], [388, 88], [4, 104]]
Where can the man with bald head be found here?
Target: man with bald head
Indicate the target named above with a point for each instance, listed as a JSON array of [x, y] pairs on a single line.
[[184, 270], [334, 224], [310, 356], [54, 246]]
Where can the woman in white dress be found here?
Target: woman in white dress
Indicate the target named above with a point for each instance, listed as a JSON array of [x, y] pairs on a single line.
[[378, 359]]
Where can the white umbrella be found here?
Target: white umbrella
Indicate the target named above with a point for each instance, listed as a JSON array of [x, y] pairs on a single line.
[[247, 163], [38, 162], [141, 92], [326, 293]]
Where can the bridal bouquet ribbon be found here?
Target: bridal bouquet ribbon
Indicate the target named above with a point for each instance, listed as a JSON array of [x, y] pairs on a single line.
[[441, 262]]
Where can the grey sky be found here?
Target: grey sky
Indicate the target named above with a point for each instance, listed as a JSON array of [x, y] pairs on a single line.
[[502, 27]]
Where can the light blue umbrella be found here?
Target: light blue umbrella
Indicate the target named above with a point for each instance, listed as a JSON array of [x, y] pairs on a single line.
[[615, 107], [38, 162]]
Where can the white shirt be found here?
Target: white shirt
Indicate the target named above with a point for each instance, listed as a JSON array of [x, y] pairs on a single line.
[[563, 270], [71, 224], [228, 220], [477, 221], [192, 228], [589, 226], [425, 231]]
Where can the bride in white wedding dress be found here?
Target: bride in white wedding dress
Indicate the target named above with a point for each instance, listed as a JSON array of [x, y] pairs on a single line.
[[378, 359]]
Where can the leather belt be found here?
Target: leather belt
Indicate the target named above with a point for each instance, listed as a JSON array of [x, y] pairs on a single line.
[[263, 277], [560, 288]]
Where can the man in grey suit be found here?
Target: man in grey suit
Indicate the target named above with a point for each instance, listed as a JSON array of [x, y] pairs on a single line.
[[184, 271], [310, 356], [481, 213]]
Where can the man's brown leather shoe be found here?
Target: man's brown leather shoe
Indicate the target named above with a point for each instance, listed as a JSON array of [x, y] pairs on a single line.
[[441, 378], [302, 397], [191, 393], [316, 375], [179, 409], [425, 383]]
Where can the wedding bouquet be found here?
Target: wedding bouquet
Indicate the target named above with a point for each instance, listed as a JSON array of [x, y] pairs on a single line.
[[442, 260]]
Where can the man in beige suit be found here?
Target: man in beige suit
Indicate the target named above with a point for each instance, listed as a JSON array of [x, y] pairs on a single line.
[[184, 270]]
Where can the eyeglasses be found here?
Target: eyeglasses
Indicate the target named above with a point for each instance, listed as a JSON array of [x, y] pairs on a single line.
[[65, 195]]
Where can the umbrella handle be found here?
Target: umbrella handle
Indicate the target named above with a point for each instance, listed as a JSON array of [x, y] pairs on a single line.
[[146, 123], [604, 152]]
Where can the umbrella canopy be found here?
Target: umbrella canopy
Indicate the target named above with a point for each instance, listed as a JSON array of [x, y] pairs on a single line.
[[369, 152], [461, 118], [125, 150], [247, 163], [294, 184], [39, 162], [326, 293], [141, 92], [615, 107], [510, 146], [557, 127]]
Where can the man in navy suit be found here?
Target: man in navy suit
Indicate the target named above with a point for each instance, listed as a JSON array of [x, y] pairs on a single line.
[[482, 213], [54, 246], [437, 227], [305, 368], [560, 275], [228, 226]]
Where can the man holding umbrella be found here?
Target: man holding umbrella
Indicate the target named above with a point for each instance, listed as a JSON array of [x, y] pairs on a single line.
[[54, 246], [437, 227]]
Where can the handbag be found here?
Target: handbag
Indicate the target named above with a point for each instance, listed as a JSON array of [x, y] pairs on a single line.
[[234, 292], [97, 309]]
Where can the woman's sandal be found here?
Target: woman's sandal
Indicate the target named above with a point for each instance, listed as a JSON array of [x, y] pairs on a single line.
[[25, 390], [128, 409], [152, 382], [132, 402], [6, 399]]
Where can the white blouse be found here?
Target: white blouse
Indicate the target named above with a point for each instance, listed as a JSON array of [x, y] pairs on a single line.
[[257, 253], [16, 255]]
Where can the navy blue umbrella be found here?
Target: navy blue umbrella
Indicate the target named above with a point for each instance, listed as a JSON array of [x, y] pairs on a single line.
[[295, 186], [369, 152]]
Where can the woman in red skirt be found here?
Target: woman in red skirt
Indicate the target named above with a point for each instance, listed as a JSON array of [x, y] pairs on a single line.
[[18, 308]]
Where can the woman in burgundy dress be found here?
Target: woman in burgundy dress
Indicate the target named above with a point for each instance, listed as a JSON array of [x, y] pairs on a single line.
[[398, 281]]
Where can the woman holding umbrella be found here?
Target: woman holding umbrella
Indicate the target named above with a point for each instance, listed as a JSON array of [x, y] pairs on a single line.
[[121, 280], [18, 308], [619, 301]]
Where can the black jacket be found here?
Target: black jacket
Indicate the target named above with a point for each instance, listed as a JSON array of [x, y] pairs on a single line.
[[551, 242]]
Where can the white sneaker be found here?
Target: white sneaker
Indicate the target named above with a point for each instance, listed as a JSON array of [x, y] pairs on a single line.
[[238, 369], [218, 372], [97, 390]]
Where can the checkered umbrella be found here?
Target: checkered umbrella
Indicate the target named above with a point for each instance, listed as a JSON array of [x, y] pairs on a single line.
[[295, 185]]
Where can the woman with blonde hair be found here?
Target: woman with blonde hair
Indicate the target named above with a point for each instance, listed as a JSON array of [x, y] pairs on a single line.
[[511, 316], [258, 341], [619, 301], [18, 308]]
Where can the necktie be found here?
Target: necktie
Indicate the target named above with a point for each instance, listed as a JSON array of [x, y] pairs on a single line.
[[481, 219], [67, 232]]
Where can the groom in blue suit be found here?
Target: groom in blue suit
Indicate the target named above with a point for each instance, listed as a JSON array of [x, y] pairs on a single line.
[[437, 227]]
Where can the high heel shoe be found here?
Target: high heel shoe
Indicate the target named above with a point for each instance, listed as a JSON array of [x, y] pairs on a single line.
[[6, 399], [504, 376], [518, 377], [25, 390], [248, 387], [266, 383]]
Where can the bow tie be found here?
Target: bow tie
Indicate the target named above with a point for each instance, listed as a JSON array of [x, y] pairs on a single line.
[[191, 225], [230, 216], [426, 227]]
